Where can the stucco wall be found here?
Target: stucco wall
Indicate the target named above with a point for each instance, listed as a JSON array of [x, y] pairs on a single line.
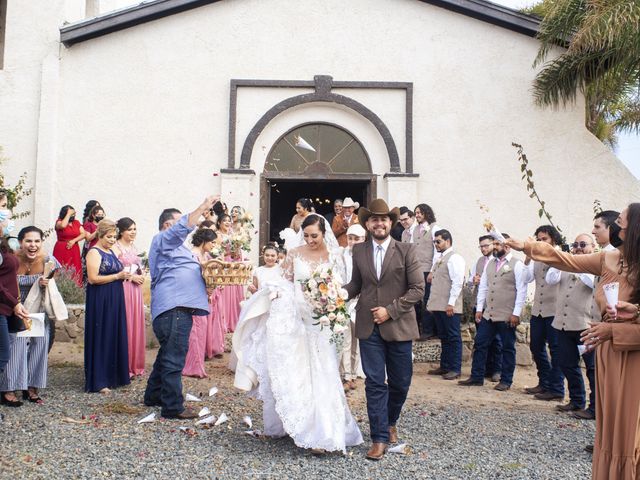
[[139, 119]]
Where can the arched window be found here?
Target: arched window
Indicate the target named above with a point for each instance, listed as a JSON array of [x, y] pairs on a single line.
[[318, 148]]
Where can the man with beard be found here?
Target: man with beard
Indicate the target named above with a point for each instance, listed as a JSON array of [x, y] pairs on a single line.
[[388, 277], [504, 287]]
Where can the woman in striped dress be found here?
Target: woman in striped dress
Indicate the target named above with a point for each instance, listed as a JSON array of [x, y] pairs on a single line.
[[27, 367]]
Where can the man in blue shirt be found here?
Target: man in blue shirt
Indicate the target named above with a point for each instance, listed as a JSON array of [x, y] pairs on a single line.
[[178, 291]]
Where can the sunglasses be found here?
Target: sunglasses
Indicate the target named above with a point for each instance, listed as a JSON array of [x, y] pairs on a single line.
[[576, 245]]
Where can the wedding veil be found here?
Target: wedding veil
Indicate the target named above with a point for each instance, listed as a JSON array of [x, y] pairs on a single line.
[[293, 239]]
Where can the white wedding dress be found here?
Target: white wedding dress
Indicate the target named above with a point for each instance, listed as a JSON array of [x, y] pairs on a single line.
[[289, 363]]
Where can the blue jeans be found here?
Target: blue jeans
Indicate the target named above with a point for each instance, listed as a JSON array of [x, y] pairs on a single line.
[[569, 360], [550, 375], [485, 334], [494, 357], [164, 387], [429, 327], [5, 343], [385, 399], [451, 341]]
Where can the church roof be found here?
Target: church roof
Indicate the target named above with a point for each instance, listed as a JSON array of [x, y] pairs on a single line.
[[154, 9]]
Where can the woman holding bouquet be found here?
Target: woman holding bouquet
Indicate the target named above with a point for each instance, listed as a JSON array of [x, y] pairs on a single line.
[[287, 359], [232, 295]]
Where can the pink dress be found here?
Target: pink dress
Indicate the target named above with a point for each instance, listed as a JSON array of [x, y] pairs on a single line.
[[230, 299], [214, 344], [194, 362], [134, 306]]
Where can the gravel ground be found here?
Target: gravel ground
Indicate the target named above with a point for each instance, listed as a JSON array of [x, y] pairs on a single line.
[[449, 437]]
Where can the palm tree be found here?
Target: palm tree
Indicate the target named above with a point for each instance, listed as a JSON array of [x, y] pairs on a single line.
[[602, 60]]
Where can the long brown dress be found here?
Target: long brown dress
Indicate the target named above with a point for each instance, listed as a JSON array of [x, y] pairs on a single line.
[[616, 453]]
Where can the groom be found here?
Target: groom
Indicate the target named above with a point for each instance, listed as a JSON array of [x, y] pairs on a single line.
[[388, 277]]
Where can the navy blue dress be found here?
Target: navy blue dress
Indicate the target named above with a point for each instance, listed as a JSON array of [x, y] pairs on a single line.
[[106, 356]]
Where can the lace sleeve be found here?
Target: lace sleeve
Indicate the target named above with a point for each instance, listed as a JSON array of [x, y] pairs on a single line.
[[338, 265], [287, 266]]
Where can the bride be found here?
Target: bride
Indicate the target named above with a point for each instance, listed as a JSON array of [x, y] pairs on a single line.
[[288, 362]]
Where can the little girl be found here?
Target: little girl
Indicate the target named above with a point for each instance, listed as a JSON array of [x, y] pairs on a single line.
[[269, 271]]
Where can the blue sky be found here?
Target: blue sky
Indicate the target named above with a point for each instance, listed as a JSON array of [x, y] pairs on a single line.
[[628, 150]]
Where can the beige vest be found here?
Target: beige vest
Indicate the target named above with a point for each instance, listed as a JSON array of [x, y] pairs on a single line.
[[573, 307], [424, 244], [479, 270], [544, 300], [441, 287], [501, 292]]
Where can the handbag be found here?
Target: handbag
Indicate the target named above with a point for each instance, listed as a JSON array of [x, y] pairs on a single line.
[[15, 324]]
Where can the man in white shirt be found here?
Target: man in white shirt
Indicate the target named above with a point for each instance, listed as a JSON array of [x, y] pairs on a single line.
[[504, 287], [408, 221], [572, 317], [445, 302], [423, 237]]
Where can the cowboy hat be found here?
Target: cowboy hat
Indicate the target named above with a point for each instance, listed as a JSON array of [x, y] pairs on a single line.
[[348, 202], [378, 207]]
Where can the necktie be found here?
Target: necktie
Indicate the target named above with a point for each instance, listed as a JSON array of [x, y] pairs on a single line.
[[379, 252]]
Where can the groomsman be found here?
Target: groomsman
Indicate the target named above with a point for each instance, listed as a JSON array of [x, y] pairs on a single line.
[[604, 225], [572, 317], [408, 222], [504, 287], [543, 335], [445, 302], [493, 367], [423, 237]]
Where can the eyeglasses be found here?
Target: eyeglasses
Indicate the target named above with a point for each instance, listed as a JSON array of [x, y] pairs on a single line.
[[404, 219], [580, 245]]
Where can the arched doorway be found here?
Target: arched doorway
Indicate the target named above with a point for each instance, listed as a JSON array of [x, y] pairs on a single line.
[[321, 161]]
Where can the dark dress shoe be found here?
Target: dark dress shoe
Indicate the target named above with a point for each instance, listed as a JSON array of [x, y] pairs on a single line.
[[377, 451], [547, 396], [502, 387], [393, 434], [451, 376], [495, 378], [589, 449], [470, 382], [584, 415], [186, 414], [534, 390], [569, 407], [437, 371]]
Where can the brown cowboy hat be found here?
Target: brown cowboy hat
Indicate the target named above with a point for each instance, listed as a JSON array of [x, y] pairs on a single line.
[[378, 207]]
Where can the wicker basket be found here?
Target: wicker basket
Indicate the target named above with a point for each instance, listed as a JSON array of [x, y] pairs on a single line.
[[217, 273]]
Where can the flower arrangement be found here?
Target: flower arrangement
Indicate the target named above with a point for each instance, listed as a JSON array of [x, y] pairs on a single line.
[[328, 300], [240, 240], [217, 251]]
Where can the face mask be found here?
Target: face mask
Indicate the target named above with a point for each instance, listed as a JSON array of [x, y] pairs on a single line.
[[72, 218], [5, 215], [8, 228], [14, 244], [98, 219]]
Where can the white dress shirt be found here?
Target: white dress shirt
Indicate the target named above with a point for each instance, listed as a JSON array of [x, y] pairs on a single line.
[[521, 284], [608, 248], [553, 277], [378, 259], [456, 267]]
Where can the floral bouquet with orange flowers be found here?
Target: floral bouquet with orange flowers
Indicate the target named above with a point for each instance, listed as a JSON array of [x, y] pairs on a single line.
[[328, 300]]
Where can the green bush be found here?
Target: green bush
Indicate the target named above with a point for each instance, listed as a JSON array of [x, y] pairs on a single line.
[[68, 288]]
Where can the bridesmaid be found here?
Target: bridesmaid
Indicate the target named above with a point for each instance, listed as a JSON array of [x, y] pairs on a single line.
[[231, 295], [304, 206], [133, 302], [69, 232], [202, 240], [236, 218], [106, 357]]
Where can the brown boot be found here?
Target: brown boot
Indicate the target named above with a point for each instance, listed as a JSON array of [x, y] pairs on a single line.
[[377, 451], [393, 434]]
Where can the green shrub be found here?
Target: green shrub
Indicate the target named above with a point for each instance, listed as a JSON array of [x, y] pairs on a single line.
[[67, 286]]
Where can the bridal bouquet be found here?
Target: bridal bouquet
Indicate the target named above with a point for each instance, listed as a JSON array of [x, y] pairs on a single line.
[[328, 299], [241, 240]]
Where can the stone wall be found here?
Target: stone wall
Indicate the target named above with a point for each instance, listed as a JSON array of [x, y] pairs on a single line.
[[72, 330]]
